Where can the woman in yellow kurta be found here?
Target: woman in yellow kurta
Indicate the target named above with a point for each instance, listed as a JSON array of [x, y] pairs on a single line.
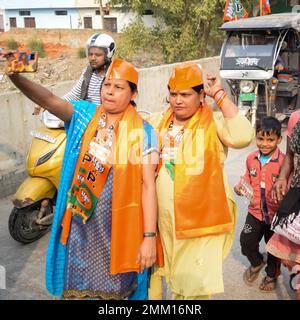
[[197, 213]]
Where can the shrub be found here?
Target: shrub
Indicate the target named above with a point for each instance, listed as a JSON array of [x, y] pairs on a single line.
[[140, 44], [12, 44], [81, 53], [37, 45]]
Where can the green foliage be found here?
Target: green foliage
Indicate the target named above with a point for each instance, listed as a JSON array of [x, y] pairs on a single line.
[[37, 45], [251, 6], [140, 44], [12, 44], [185, 30], [81, 53]]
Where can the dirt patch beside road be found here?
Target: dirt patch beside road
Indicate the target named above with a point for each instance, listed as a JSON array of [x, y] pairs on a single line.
[[61, 62]]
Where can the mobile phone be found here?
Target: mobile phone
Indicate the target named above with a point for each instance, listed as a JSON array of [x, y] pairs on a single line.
[[247, 190], [23, 62]]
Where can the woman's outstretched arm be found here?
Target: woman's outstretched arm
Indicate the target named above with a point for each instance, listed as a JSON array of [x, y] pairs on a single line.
[[43, 97]]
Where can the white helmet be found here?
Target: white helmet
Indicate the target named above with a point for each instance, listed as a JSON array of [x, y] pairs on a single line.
[[102, 41]]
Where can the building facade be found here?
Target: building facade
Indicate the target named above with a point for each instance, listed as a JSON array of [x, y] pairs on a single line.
[[67, 14], [2, 22]]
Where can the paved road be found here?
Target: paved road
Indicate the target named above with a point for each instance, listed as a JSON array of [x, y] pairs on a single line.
[[25, 265]]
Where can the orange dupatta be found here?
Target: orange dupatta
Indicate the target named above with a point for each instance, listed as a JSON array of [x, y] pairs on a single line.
[[200, 201], [127, 213]]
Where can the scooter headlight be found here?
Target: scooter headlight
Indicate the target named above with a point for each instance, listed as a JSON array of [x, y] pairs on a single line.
[[246, 86], [45, 157]]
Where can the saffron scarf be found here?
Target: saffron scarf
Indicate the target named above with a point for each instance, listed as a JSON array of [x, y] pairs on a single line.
[[200, 201], [127, 214]]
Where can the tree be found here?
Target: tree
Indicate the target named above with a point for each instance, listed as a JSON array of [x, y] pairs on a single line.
[[101, 12], [186, 29], [252, 7]]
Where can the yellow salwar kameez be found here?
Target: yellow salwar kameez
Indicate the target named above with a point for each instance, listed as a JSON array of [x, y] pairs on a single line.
[[193, 266]]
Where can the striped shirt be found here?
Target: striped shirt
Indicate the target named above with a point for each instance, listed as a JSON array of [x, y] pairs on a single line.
[[93, 90]]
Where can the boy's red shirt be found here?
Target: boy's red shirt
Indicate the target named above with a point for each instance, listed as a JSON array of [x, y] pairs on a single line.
[[259, 176]]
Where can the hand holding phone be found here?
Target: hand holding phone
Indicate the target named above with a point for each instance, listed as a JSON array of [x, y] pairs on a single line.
[[21, 62], [243, 188]]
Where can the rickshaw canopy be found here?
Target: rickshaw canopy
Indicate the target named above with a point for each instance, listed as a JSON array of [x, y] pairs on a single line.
[[278, 21], [252, 46]]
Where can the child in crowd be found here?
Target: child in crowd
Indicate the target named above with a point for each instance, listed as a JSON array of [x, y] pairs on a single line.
[[262, 169]]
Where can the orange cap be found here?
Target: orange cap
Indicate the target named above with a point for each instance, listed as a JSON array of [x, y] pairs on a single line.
[[123, 70], [186, 76]]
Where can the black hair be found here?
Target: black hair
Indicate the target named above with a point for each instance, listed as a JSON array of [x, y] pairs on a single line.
[[196, 88], [133, 88], [269, 125], [199, 88]]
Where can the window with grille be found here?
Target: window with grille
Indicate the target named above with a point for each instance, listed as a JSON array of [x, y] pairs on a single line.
[[61, 12], [106, 12], [24, 12]]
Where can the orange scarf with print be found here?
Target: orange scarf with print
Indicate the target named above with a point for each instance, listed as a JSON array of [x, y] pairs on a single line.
[[200, 201], [127, 214]]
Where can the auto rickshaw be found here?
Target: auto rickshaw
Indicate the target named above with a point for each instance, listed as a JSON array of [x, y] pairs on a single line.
[[260, 61]]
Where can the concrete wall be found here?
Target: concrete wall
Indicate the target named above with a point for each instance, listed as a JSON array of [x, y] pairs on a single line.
[[153, 83], [16, 120]]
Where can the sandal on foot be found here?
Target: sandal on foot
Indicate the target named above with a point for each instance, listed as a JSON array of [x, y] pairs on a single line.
[[268, 284], [250, 276]]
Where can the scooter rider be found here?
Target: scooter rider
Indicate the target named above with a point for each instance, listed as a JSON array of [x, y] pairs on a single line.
[[100, 48]]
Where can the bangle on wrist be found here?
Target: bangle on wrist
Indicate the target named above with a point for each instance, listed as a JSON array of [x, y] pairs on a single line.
[[218, 95], [150, 234], [221, 100], [214, 96]]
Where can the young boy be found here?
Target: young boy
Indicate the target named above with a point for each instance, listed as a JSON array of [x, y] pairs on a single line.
[[262, 169]]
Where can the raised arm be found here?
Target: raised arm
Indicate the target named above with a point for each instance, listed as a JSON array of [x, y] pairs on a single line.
[[214, 89], [43, 97], [234, 129]]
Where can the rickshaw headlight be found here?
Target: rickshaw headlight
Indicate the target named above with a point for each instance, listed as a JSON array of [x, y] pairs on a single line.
[[246, 86]]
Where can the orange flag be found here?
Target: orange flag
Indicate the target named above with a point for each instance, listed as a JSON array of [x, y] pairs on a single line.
[[265, 7], [234, 10]]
